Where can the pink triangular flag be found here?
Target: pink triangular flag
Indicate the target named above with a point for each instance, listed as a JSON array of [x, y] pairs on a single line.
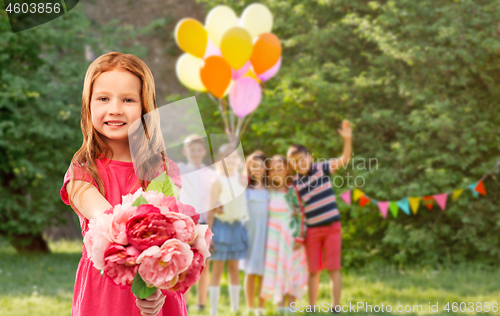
[[441, 200], [346, 196], [383, 206]]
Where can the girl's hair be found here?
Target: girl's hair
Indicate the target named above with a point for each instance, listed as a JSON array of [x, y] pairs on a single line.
[[148, 146], [282, 159], [256, 155]]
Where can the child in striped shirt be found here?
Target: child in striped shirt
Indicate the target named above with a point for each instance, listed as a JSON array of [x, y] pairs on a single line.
[[323, 234]]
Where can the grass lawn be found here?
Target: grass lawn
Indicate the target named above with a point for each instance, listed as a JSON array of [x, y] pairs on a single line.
[[43, 284]]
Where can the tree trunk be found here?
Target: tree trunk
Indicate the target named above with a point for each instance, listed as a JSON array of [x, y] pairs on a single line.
[[28, 243]]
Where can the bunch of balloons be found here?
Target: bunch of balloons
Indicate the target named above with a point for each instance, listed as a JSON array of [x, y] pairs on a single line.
[[229, 56]]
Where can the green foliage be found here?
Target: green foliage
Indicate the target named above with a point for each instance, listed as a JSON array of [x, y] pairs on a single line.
[[41, 79], [164, 184], [42, 285], [419, 81], [140, 201], [140, 288]]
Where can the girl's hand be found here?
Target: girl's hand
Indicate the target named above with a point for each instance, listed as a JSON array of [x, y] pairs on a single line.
[[152, 305], [346, 130], [297, 245], [212, 246], [218, 208]]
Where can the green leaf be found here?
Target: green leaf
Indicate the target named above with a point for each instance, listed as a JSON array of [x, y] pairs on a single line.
[[139, 201], [164, 184], [140, 288]]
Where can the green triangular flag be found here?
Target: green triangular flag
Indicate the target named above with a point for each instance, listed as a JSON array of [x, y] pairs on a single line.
[[393, 207]]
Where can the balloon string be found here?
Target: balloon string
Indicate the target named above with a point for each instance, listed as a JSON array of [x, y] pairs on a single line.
[[224, 119], [238, 127], [231, 118], [240, 135]]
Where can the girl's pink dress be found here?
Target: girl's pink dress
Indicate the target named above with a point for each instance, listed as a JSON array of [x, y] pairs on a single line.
[[93, 293]]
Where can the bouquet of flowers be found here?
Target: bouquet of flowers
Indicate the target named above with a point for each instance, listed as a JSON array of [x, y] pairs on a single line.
[[297, 225], [149, 241]]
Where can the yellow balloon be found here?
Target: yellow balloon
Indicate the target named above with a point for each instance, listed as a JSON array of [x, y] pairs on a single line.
[[191, 37], [218, 21], [236, 47], [257, 19], [188, 71], [250, 73]]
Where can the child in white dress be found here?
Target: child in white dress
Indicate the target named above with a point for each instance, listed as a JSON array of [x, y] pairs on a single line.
[[230, 240]]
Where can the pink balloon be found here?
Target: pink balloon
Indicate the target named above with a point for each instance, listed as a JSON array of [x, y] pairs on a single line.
[[245, 96], [268, 74], [237, 74], [211, 50]]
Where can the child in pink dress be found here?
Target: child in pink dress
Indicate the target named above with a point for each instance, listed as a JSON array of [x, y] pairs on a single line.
[[118, 90]]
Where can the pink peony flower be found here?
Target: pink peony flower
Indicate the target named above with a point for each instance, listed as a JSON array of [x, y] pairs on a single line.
[[153, 197], [202, 241], [161, 266], [120, 264], [148, 227], [121, 215], [177, 206], [189, 277], [130, 198], [97, 239], [185, 229]]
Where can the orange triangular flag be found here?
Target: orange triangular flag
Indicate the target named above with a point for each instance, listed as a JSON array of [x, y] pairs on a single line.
[[428, 201], [363, 200], [480, 188]]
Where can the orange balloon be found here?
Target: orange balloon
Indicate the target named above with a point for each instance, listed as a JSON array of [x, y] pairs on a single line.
[[216, 75], [266, 52]]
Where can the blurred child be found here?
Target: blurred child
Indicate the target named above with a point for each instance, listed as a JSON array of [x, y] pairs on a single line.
[[256, 226], [322, 218], [285, 275], [230, 240], [197, 180]]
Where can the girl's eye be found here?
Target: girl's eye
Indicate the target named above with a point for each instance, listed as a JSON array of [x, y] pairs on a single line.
[[102, 99], [129, 100]]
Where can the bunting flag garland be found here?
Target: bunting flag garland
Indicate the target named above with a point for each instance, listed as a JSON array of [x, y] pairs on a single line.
[[428, 201], [413, 202], [441, 200], [404, 205], [472, 187], [356, 195], [480, 188], [363, 200], [457, 193], [393, 206], [383, 208], [346, 196]]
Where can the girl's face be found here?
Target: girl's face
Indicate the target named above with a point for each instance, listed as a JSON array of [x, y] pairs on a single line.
[[232, 161], [115, 103], [277, 172], [256, 169]]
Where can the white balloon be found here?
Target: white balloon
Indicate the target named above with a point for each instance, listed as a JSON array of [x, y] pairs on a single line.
[[218, 21], [188, 70], [257, 19]]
